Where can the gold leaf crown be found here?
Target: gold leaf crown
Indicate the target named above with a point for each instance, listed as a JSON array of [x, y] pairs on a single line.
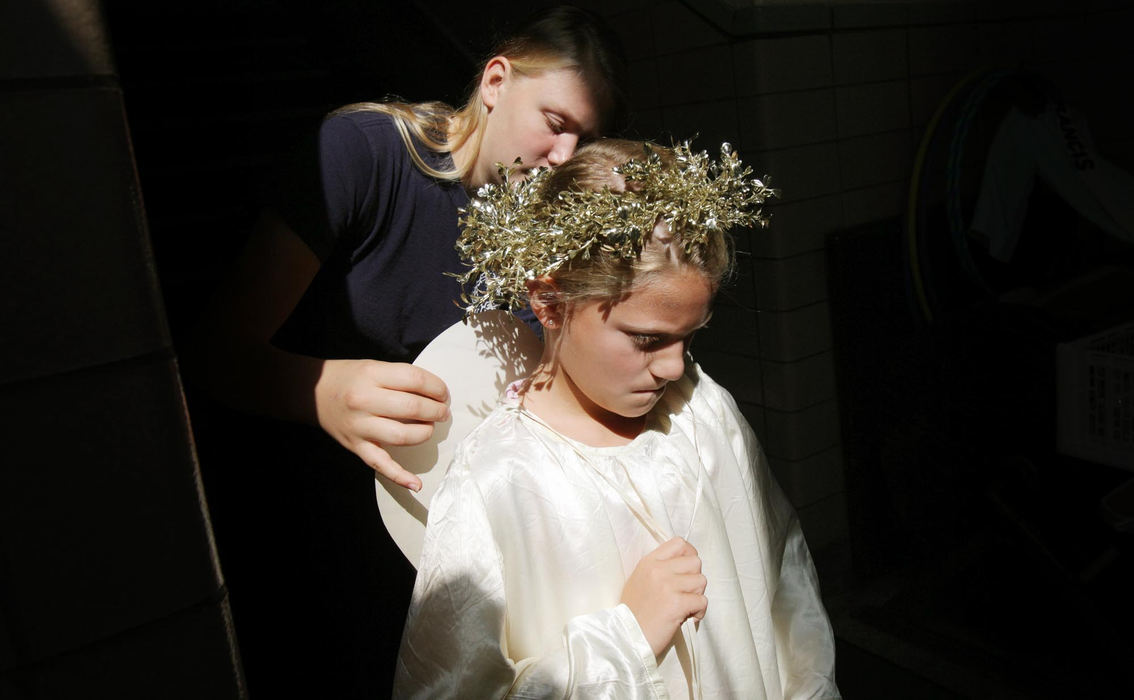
[[512, 233]]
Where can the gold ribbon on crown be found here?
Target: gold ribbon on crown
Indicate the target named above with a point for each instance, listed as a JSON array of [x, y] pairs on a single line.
[[511, 234]]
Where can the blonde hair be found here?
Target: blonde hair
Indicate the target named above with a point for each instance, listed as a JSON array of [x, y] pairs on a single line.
[[558, 38], [605, 274]]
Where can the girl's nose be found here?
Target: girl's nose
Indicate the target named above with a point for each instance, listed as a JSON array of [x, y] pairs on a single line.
[[668, 363], [564, 146]]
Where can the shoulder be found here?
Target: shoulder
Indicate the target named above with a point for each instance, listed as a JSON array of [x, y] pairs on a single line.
[[362, 134]]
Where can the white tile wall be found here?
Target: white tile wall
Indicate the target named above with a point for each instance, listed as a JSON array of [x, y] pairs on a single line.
[[869, 55], [782, 63], [779, 120], [942, 49], [696, 75], [798, 226], [791, 386], [795, 435], [791, 335], [801, 172], [711, 122], [732, 329], [847, 14], [788, 283], [737, 373], [643, 88], [677, 28], [812, 479]]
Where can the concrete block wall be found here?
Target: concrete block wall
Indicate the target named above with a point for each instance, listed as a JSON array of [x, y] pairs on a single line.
[[831, 98], [109, 585]]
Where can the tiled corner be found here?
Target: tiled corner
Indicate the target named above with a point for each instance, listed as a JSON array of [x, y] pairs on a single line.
[[798, 227], [943, 49], [800, 172], [791, 335], [697, 75], [813, 478], [788, 283], [853, 14], [737, 373], [783, 17], [643, 91], [677, 28], [77, 285], [875, 203], [779, 64], [875, 159], [731, 329], [869, 55], [792, 386], [36, 42], [633, 30], [711, 122], [872, 107], [795, 435], [784, 119], [825, 523]]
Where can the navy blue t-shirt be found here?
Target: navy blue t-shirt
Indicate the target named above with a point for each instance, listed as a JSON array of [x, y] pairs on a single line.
[[385, 233]]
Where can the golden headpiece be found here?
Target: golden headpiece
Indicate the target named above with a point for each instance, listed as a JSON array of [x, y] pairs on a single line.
[[512, 233]]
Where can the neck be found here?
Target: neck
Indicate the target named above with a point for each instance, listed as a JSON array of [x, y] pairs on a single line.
[[465, 153], [552, 396]]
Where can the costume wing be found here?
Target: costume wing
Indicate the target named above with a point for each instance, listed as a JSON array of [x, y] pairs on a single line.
[[477, 359]]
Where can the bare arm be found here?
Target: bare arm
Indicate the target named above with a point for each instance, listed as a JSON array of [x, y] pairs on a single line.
[[363, 404]]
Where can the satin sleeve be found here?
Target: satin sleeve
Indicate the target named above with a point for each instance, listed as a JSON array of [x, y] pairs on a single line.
[[455, 644]]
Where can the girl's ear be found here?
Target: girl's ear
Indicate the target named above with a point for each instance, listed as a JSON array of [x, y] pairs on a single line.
[[543, 294], [496, 73]]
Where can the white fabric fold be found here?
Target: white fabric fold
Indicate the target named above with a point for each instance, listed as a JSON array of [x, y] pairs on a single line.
[[531, 538]]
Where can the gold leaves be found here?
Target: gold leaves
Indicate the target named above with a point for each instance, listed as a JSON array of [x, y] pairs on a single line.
[[513, 234]]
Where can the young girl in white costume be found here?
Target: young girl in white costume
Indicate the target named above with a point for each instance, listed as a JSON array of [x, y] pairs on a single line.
[[611, 529]]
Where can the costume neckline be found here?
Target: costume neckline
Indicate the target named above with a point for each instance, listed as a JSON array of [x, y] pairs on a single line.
[[651, 427]]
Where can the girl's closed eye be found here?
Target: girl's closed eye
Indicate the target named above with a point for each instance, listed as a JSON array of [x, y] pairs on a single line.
[[647, 341]]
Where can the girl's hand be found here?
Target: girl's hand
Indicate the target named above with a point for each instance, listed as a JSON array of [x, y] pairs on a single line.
[[365, 404], [666, 589]]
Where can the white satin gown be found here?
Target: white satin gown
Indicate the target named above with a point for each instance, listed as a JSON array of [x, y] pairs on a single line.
[[532, 535]]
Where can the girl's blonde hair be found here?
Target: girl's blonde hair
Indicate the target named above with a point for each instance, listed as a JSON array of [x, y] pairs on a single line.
[[605, 274], [557, 38]]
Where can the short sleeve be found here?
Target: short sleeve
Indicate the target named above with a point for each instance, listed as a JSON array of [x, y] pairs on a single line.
[[328, 192]]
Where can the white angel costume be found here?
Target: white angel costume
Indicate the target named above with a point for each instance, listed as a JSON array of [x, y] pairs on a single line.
[[532, 536]]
